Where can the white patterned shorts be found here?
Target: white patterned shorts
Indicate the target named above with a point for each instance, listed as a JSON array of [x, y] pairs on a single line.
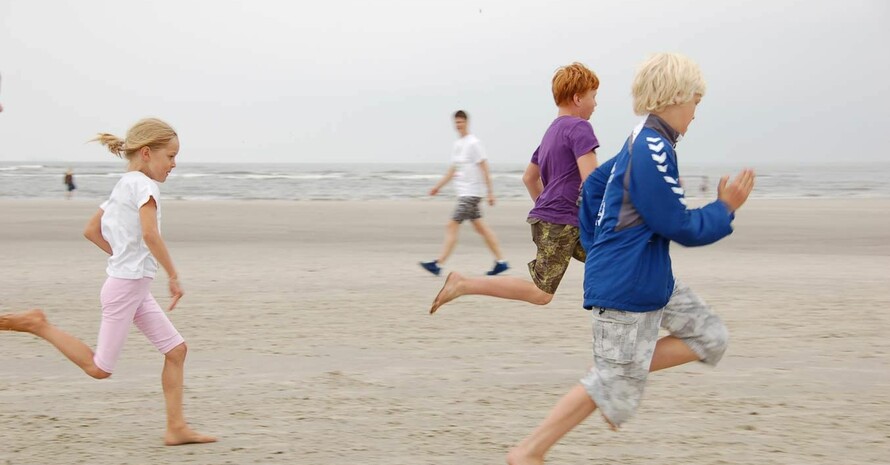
[[467, 209], [624, 342]]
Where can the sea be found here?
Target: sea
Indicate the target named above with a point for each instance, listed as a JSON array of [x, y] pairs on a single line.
[[351, 181]]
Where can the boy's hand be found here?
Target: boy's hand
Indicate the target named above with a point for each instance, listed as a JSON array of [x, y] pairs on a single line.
[[491, 199], [735, 193], [434, 191], [175, 292]]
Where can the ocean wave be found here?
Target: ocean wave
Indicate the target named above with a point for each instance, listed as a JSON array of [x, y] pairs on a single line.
[[376, 182], [406, 177], [298, 177], [191, 175], [235, 172], [21, 167]]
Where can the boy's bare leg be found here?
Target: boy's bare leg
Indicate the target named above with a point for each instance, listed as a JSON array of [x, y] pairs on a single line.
[[670, 352], [34, 322], [569, 412], [451, 231], [178, 431], [575, 406], [490, 239], [505, 287]]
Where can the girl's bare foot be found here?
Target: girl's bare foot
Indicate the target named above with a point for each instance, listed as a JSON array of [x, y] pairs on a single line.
[[519, 456], [448, 292], [185, 435], [24, 321]]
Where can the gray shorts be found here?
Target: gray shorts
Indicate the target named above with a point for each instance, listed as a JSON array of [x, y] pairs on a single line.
[[623, 344], [467, 209]]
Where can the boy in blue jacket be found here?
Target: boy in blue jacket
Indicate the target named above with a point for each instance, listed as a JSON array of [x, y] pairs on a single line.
[[632, 208]]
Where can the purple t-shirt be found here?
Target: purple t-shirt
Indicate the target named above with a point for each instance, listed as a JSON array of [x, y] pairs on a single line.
[[567, 139]]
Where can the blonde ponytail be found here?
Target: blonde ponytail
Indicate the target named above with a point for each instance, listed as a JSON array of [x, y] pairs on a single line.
[[114, 144], [149, 132]]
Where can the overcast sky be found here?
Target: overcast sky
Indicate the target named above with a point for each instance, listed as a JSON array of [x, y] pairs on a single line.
[[377, 81]]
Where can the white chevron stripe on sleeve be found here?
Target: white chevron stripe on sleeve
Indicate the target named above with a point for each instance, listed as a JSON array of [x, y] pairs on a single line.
[[659, 159], [662, 168], [670, 180], [682, 200], [656, 148], [678, 190], [653, 139]]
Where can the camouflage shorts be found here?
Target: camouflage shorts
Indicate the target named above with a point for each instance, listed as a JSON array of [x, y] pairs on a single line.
[[624, 342], [557, 245], [467, 209]]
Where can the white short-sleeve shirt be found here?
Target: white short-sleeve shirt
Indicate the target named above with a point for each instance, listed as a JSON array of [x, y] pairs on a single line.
[[122, 228], [466, 156]]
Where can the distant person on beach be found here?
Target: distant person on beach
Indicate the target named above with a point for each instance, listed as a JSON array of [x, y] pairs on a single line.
[[704, 185], [127, 227], [631, 210], [69, 183], [472, 180], [553, 178]]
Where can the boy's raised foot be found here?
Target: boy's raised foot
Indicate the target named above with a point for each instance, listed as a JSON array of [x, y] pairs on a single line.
[[448, 291]]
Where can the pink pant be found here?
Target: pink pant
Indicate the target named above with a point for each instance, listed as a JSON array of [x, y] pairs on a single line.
[[126, 301]]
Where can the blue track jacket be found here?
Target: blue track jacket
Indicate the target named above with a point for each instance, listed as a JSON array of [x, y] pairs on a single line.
[[632, 207]]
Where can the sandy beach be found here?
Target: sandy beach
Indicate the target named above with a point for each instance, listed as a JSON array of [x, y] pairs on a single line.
[[310, 343]]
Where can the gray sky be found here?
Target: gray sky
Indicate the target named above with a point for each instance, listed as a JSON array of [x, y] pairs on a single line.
[[377, 81]]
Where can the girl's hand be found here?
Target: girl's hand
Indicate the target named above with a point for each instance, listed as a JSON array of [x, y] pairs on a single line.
[[175, 292]]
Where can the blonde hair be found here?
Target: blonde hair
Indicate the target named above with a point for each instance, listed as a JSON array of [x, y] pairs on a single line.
[[150, 132], [573, 79], [666, 79]]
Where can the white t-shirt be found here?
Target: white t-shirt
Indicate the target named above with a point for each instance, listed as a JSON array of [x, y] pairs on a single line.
[[466, 156], [122, 228]]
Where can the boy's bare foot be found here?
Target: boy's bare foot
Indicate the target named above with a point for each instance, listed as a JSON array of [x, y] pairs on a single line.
[[24, 321], [448, 291], [519, 456], [185, 435]]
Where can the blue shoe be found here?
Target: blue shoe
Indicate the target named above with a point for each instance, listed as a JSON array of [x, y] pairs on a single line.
[[499, 267], [433, 267]]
